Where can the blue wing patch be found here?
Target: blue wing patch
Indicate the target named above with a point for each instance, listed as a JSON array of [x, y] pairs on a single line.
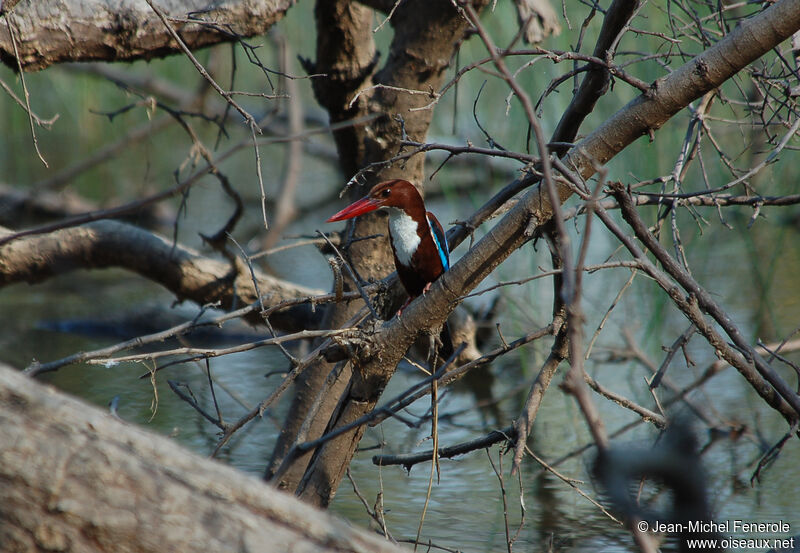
[[440, 239]]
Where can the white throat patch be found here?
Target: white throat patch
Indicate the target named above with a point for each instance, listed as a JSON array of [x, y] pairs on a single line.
[[404, 234]]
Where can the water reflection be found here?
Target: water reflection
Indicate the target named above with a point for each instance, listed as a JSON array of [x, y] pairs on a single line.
[[466, 505]]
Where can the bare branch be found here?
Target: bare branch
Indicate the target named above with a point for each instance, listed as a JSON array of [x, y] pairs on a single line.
[[703, 301], [101, 244], [127, 31]]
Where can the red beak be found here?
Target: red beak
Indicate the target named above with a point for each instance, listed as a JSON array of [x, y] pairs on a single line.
[[362, 206]]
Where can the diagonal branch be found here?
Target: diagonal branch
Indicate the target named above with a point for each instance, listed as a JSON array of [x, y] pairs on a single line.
[[707, 304], [376, 361], [597, 78], [183, 271]]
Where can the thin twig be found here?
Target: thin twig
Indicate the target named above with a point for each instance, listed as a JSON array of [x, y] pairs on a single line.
[[202, 70], [46, 123], [361, 291], [24, 90], [205, 353]]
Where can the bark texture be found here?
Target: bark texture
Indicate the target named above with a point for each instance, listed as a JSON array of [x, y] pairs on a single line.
[[346, 55], [75, 479], [185, 272], [377, 360], [426, 37], [54, 31]]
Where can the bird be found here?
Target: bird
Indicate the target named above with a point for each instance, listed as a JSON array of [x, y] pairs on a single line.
[[418, 241]]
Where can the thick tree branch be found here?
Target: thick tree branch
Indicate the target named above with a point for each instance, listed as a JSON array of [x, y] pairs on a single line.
[[50, 32], [95, 484], [597, 78], [25, 207], [426, 37], [101, 244], [751, 39], [346, 56], [377, 360]]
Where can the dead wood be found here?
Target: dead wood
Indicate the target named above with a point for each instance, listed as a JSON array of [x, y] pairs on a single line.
[[76, 479], [183, 271], [34, 207], [426, 37], [377, 361], [49, 32]]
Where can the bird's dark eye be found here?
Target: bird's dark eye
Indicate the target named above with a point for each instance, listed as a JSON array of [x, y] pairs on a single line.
[[386, 192]]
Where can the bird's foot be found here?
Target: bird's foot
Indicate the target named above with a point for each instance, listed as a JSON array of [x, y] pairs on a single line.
[[427, 287]]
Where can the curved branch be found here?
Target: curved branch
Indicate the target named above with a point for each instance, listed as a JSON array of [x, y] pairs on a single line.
[[183, 271], [376, 361]]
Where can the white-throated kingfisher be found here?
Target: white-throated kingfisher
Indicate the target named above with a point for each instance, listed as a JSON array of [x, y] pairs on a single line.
[[417, 238]]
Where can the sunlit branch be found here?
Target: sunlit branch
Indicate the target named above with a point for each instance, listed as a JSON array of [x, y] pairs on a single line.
[[205, 353]]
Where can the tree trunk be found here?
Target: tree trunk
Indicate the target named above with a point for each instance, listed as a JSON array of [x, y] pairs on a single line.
[[427, 36], [76, 479], [377, 359]]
